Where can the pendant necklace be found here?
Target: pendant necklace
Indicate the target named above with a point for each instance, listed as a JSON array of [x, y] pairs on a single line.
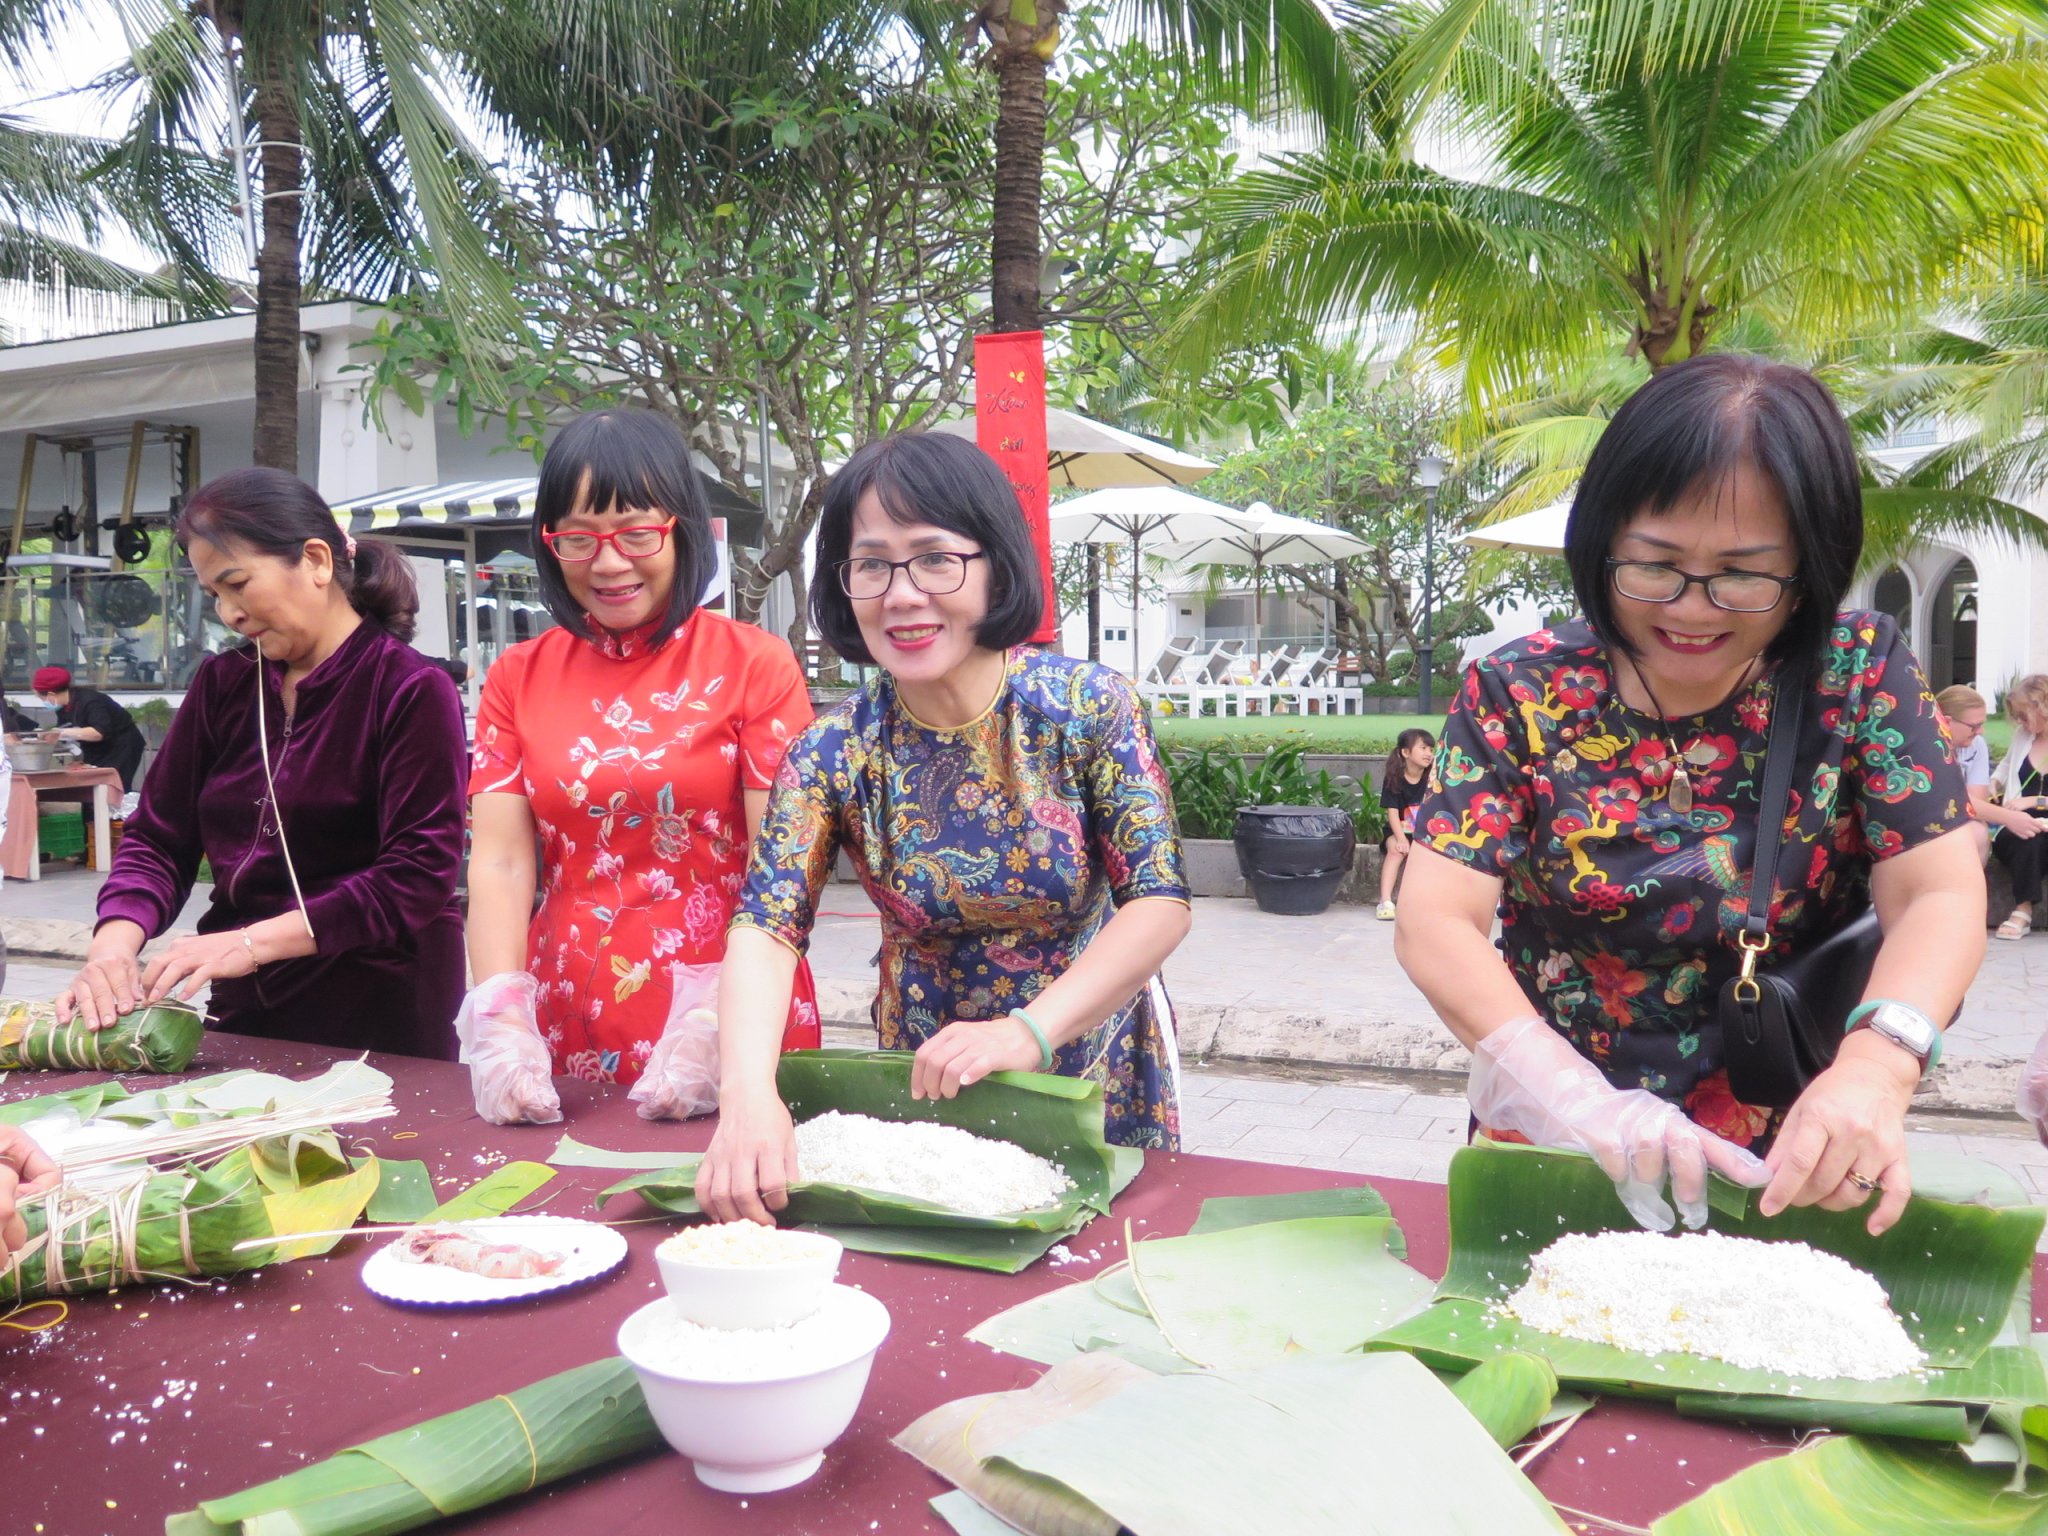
[[1699, 754]]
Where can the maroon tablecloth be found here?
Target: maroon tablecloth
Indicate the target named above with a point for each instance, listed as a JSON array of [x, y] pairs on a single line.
[[145, 1401]]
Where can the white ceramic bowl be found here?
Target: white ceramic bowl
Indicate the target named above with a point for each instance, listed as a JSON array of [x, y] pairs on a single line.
[[753, 1295], [757, 1436]]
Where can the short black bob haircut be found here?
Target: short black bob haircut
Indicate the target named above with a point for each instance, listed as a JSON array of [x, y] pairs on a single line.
[[1689, 427], [930, 477], [610, 460]]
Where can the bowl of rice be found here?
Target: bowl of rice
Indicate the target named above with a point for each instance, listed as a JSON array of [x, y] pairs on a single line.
[[755, 1408], [740, 1274]]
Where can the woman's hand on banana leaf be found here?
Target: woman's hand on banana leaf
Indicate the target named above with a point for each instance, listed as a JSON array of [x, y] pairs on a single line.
[[1845, 1139], [967, 1050], [747, 1171], [109, 984]]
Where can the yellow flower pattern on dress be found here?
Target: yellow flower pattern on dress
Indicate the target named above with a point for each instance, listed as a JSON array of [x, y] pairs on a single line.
[[1619, 911], [996, 852]]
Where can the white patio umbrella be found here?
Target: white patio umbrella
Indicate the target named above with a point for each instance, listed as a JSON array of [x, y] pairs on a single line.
[[1272, 538], [1139, 513], [1533, 533], [1091, 455]]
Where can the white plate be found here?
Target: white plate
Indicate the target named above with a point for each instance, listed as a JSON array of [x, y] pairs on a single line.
[[589, 1251]]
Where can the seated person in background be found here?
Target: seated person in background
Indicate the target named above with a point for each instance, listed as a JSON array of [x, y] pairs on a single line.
[[107, 735], [2021, 783], [1962, 712]]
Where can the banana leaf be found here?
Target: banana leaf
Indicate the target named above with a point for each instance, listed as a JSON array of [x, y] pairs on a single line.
[[957, 1440], [185, 1223], [492, 1450], [1957, 1276], [1852, 1486], [163, 1037], [494, 1194], [1248, 1296], [1105, 1312], [1942, 1423], [1509, 1395], [1058, 1118], [967, 1518], [405, 1192], [1220, 1213], [82, 1103], [1352, 1445]]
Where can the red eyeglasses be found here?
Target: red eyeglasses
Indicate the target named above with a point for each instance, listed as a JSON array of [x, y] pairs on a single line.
[[635, 543]]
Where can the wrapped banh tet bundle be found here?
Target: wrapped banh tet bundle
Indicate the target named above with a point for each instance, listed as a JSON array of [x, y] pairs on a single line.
[[162, 1037], [496, 1449]]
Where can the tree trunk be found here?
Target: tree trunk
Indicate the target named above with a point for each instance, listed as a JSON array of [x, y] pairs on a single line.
[[1094, 603], [277, 269], [1023, 39]]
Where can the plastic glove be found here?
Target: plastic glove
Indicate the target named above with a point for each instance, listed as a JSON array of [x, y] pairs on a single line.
[[509, 1064], [1526, 1077], [681, 1077], [2034, 1090]]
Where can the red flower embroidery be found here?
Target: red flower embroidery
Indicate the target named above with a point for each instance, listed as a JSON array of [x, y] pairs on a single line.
[[1614, 983], [1712, 1107]]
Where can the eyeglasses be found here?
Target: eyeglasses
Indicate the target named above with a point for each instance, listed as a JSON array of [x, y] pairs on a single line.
[[934, 573], [1730, 591], [635, 543]]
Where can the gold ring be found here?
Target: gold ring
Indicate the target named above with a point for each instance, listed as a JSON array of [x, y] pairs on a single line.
[[1866, 1185]]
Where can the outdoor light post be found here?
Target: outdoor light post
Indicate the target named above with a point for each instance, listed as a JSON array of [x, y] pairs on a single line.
[[1429, 470]]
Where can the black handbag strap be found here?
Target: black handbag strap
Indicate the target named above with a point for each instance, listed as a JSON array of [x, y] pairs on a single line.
[[1781, 757]]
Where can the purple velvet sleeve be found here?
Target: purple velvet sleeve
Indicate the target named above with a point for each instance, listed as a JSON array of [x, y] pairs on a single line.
[[160, 849], [421, 808]]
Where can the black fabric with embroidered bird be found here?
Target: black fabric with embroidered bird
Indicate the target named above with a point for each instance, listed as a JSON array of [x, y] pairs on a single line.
[[1699, 753]]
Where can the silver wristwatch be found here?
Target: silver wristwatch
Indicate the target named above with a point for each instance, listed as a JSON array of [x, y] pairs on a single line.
[[1905, 1026]]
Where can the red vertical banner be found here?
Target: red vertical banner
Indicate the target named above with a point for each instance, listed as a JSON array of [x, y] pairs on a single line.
[[1009, 424]]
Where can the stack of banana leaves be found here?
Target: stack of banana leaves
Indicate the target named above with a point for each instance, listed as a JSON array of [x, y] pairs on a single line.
[[169, 1184], [1959, 1445], [1058, 1118], [163, 1037]]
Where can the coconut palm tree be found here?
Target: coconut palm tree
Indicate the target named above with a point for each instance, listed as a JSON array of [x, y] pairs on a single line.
[[1249, 48], [361, 178], [1981, 371], [1612, 186], [1630, 177], [45, 225]]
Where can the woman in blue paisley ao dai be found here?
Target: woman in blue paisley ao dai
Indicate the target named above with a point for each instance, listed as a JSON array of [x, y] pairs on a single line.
[[1005, 809]]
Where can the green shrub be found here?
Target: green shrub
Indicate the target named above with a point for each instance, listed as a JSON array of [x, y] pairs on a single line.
[[1210, 783]]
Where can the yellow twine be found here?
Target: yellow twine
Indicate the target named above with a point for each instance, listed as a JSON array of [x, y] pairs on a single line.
[[532, 1477], [7, 1319]]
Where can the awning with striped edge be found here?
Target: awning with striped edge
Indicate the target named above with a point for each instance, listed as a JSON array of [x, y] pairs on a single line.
[[487, 503], [456, 504]]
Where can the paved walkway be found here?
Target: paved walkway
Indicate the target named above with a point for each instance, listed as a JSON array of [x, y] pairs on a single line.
[[1303, 1042]]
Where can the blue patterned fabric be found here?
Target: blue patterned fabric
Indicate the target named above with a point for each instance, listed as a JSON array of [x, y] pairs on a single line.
[[996, 852]]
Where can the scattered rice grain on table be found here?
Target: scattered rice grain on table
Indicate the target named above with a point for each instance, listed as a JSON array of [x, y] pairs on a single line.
[[976, 1175], [1782, 1307]]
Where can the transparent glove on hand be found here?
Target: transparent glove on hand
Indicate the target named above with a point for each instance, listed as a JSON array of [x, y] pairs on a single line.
[[2034, 1091], [681, 1077], [1527, 1078], [510, 1069]]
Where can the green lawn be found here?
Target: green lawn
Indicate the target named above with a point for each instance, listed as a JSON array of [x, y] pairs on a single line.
[[1358, 733], [1324, 733]]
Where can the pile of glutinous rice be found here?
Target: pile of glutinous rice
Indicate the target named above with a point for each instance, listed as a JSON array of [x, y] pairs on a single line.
[[744, 1245], [975, 1175], [1781, 1307]]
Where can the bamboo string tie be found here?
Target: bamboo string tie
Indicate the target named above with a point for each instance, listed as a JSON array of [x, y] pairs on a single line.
[[533, 1454]]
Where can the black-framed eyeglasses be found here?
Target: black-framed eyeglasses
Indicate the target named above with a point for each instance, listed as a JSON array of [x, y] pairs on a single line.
[[636, 543], [934, 573], [1650, 581]]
